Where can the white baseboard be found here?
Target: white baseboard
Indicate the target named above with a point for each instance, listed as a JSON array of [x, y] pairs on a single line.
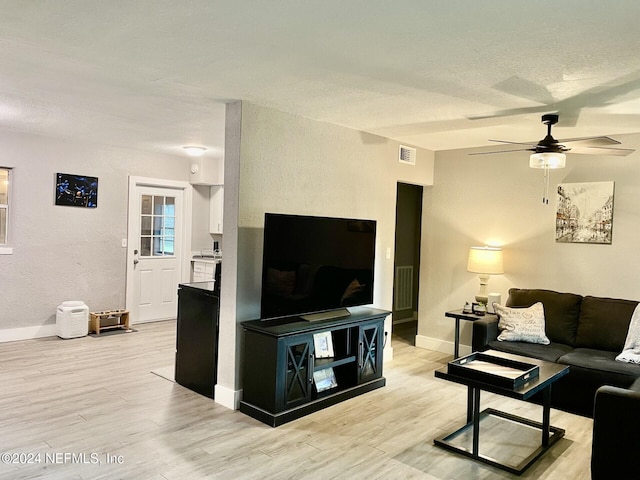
[[152, 320], [387, 354], [439, 345], [227, 397], [28, 333]]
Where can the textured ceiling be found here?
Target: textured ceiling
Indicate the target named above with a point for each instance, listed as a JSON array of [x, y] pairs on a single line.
[[154, 75]]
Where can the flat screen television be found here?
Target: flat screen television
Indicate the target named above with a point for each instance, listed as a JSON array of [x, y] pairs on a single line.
[[316, 264]]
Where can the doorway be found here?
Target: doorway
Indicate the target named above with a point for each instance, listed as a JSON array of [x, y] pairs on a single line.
[[159, 242], [407, 261]]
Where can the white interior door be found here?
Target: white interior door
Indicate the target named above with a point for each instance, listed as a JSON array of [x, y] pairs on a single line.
[[156, 242]]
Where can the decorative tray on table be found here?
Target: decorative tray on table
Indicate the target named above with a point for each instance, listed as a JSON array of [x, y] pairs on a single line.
[[497, 371]]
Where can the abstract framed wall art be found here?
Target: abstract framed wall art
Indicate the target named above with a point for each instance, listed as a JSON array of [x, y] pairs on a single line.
[[76, 190], [585, 213]]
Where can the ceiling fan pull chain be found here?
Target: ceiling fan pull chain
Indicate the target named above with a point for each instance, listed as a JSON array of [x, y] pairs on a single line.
[[545, 198]]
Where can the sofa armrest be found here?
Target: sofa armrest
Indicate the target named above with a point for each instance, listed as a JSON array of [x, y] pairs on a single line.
[[484, 331], [616, 426]]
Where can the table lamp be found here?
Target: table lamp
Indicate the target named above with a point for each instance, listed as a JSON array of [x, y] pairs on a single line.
[[485, 261]]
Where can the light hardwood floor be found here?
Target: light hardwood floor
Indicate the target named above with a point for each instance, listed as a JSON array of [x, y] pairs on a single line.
[[87, 396]]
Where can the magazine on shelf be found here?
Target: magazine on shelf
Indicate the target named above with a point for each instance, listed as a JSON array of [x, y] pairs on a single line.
[[325, 379], [323, 345]]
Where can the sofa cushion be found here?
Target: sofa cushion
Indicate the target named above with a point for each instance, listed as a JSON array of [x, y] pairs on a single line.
[[521, 324], [602, 364], [604, 323], [635, 386], [550, 353], [561, 311]]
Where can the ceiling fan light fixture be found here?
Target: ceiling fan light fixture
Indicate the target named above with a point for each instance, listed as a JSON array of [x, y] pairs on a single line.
[[548, 160]]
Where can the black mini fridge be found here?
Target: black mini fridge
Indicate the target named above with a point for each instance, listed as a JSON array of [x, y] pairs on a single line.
[[197, 337]]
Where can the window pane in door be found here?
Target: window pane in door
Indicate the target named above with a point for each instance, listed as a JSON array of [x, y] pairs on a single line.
[[145, 226], [157, 246], [145, 205], [168, 230], [170, 206], [145, 247], [157, 225], [168, 246], [158, 205]]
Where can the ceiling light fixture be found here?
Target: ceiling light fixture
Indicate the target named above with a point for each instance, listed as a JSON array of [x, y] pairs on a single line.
[[547, 161], [194, 151]]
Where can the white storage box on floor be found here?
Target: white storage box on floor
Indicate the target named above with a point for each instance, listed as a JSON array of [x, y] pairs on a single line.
[[72, 319]]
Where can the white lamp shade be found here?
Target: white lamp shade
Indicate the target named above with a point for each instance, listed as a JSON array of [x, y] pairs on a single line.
[[550, 160], [486, 260]]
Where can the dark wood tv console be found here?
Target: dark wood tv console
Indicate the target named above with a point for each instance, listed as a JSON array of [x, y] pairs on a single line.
[[280, 361]]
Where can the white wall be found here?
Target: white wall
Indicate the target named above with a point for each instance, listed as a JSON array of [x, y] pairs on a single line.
[[477, 200], [290, 164], [68, 253]]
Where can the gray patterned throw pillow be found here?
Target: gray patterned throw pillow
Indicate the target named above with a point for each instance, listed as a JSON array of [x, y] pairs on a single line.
[[522, 324]]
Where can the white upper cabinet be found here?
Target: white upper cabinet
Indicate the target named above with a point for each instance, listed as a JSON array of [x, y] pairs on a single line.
[[216, 204], [206, 171]]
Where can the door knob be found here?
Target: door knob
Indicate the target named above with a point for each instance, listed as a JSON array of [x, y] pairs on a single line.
[[136, 261]]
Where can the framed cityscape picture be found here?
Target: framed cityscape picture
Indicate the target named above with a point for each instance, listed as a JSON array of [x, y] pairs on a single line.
[[76, 190], [585, 213]]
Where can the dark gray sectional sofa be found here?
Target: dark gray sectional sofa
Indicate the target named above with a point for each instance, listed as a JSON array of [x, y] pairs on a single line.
[[586, 333]]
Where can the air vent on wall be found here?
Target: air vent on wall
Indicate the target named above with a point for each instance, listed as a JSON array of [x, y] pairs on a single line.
[[407, 155]]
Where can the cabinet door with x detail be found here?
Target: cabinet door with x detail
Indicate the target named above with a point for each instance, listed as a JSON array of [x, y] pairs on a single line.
[[369, 345], [298, 378]]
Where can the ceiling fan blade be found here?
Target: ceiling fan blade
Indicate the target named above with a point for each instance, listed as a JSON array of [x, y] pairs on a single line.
[[504, 151], [618, 152], [589, 142], [531, 144]]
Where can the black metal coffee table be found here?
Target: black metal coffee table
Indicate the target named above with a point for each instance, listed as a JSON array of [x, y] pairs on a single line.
[[548, 373]]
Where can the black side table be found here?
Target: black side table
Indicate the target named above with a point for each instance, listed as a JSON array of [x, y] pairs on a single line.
[[460, 315]]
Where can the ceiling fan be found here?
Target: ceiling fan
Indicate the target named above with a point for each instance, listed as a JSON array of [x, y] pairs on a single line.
[[549, 153]]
